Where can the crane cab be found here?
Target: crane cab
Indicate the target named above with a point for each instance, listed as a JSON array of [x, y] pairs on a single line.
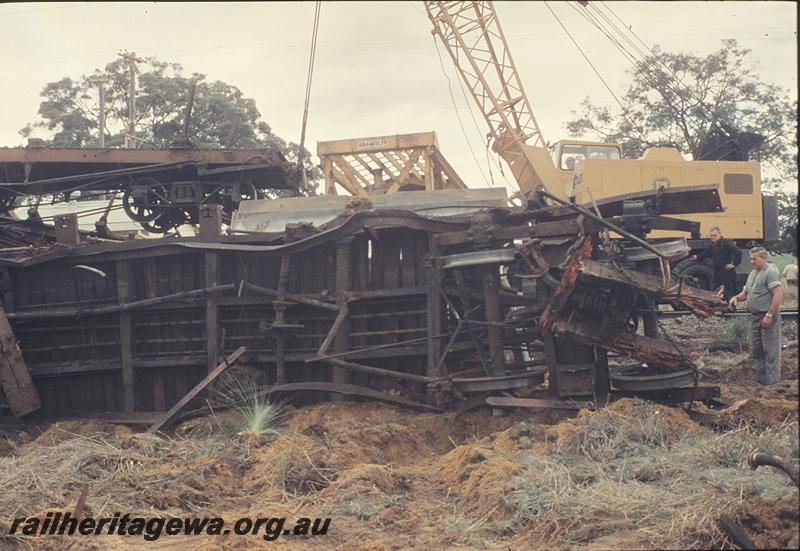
[[566, 155]]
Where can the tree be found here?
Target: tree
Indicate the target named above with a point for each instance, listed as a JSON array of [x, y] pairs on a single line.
[[221, 117], [787, 222], [679, 99]]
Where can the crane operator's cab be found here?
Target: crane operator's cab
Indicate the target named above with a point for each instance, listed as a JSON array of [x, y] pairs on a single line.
[[566, 155]]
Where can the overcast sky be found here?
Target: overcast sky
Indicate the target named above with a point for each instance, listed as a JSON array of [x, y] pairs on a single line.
[[377, 70]]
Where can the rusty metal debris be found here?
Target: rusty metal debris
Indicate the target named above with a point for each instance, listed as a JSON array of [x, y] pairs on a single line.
[[735, 531], [15, 379], [351, 390], [639, 377], [538, 403], [760, 459], [439, 298]]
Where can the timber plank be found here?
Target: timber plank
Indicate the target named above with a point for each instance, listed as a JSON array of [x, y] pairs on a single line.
[[212, 313], [391, 259], [376, 265], [126, 335], [408, 262], [15, 379], [341, 338], [159, 400], [216, 372]]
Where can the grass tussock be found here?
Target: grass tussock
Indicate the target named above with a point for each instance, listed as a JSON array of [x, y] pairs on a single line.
[[737, 330], [612, 471], [364, 509], [255, 419]]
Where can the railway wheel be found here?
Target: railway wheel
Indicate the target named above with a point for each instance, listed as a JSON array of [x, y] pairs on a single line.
[[145, 200], [168, 219]]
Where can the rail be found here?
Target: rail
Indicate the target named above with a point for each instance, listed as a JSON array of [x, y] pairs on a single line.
[[785, 314]]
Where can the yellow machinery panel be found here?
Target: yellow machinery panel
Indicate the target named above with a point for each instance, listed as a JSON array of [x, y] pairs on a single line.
[[739, 187]]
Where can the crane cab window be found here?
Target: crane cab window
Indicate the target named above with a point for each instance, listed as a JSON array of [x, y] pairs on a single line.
[[572, 154]]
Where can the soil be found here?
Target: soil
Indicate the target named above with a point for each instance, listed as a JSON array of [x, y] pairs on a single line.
[[772, 524], [7, 446], [392, 479]]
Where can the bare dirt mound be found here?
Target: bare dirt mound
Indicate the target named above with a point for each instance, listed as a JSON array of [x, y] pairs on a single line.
[[759, 413], [772, 523]]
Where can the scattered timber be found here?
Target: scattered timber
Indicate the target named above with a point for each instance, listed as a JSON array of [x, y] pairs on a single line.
[[216, 372], [736, 534]]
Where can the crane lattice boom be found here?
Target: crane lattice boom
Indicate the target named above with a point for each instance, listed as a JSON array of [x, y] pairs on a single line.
[[471, 33], [476, 43]]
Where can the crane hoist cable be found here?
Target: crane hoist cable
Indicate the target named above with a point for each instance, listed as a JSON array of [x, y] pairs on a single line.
[[310, 75], [652, 54], [455, 108], [487, 143], [647, 68], [647, 64], [640, 56], [635, 126], [675, 76], [610, 91]]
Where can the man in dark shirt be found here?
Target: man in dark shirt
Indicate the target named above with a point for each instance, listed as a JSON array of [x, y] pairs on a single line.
[[725, 256]]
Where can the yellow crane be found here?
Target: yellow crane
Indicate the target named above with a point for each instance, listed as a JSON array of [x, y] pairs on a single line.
[[579, 170], [474, 39]]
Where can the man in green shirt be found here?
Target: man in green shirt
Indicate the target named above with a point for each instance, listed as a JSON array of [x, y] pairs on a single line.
[[763, 293]]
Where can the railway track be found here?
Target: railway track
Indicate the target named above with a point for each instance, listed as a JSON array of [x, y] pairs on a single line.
[[787, 313]]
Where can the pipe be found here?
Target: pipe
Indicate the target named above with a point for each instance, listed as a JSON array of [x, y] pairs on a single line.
[[76, 312], [377, 371]]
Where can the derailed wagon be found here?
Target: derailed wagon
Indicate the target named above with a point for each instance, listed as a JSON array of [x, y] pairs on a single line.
[[435, 300]]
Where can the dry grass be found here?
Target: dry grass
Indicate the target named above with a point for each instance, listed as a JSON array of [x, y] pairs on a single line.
[[614, 471], [135, 472], [189, 473], [293, 464], [632, 475]]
